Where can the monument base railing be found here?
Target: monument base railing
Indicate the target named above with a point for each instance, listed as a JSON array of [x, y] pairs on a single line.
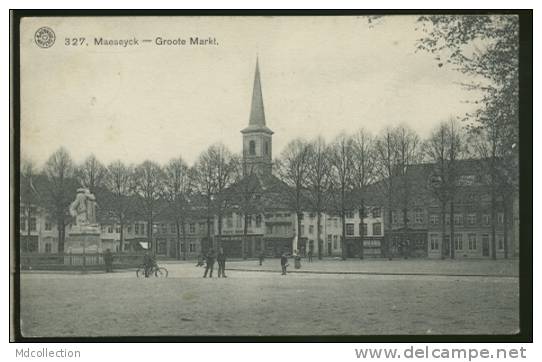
[[78, 261]]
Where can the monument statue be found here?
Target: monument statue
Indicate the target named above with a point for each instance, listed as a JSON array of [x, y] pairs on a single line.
[[83, 208]]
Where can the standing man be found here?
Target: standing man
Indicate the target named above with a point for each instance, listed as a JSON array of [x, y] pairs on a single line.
[[221, 259], [284, 262], [309, 254], [261, 257], [210, 262], [108, 261]]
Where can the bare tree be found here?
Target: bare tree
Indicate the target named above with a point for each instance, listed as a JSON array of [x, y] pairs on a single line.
[[214, 173], [244, 195], [148, 185], [443, 149], [91, 173], [118, 179], [59, 171], [29, 195], [408, 153], [342, 171], [318, 178], [177, 191], [386, 161], [363, 160], [292, 167]]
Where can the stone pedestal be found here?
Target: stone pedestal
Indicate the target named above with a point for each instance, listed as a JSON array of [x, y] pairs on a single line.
[[83, 245]]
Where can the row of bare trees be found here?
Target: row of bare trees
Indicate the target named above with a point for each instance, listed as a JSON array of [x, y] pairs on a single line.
[[127, 192], [322, 178]]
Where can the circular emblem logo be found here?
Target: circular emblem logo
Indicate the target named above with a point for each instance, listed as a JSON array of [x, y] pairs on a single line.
[[45, 37]]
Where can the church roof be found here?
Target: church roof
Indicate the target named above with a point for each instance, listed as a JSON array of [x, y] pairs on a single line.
[[256, 121]]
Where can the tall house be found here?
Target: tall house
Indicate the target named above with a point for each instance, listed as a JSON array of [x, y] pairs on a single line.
[[257, 142]]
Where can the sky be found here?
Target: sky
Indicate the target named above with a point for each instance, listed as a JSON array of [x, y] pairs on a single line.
[[320, 76]]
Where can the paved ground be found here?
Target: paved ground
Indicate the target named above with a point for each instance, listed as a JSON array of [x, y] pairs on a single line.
[[256, 303]]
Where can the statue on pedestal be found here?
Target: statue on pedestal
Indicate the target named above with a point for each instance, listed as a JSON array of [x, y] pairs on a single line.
[[83, 208]]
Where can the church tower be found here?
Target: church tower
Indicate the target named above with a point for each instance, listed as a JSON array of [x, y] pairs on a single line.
[[257, 137]]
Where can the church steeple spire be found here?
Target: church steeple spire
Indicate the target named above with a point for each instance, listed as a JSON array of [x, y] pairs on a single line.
[[257, 152], [256, 121]]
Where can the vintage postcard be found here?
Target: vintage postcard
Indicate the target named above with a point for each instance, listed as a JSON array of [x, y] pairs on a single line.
[[219, 176]]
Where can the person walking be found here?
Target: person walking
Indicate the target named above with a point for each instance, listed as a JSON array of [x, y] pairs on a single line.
[[221, 259], [108, 261], [261, 257], [284, 262], [309, 254], [210, 262], [200, 260]]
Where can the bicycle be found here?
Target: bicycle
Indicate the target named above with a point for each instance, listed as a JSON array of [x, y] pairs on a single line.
[[159, 272]]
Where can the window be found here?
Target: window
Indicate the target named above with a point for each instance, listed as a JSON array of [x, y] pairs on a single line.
[[349, 229], [447, 219], [117, 229], [238, 221], [311, 229], [395, 217], [110, 229], [136, 229], [500, 241], [500, 218], [258, 221], [172, 228], [269, 229], [377, 229], [48, 247], [363, 229], [192, 228], [458, 219], [377, 212], [434, 242], [142, 229], [349, 214], [458, 241], [362, 212], [48, 226], [249, 221], [329, 238], [300, 216], [229, 221], [202, 227], [472, 242], [486, 219], [192, 247], [129, 229], [302, 230], [32, 224], [418, 216], [312, 215], [23, 223], [266, 148], [471, 219], [335, 223], [434, 219], [335, 242], [252, 148]]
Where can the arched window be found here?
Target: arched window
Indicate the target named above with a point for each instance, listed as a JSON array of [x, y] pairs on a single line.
[[252, 148], [266, 148]]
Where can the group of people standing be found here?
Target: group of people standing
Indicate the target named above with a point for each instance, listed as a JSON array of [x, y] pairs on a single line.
[[210, 257]]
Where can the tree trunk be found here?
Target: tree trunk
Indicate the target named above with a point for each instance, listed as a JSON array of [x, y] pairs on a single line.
[[183, 230], [319, 231], [121, 241], [244, 241], [178, 248], [505, 224], [343, 241], [60, 227], [299, 215], [361, 229], [452, 241], [219, 236], [443, 237], [493, 224]]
